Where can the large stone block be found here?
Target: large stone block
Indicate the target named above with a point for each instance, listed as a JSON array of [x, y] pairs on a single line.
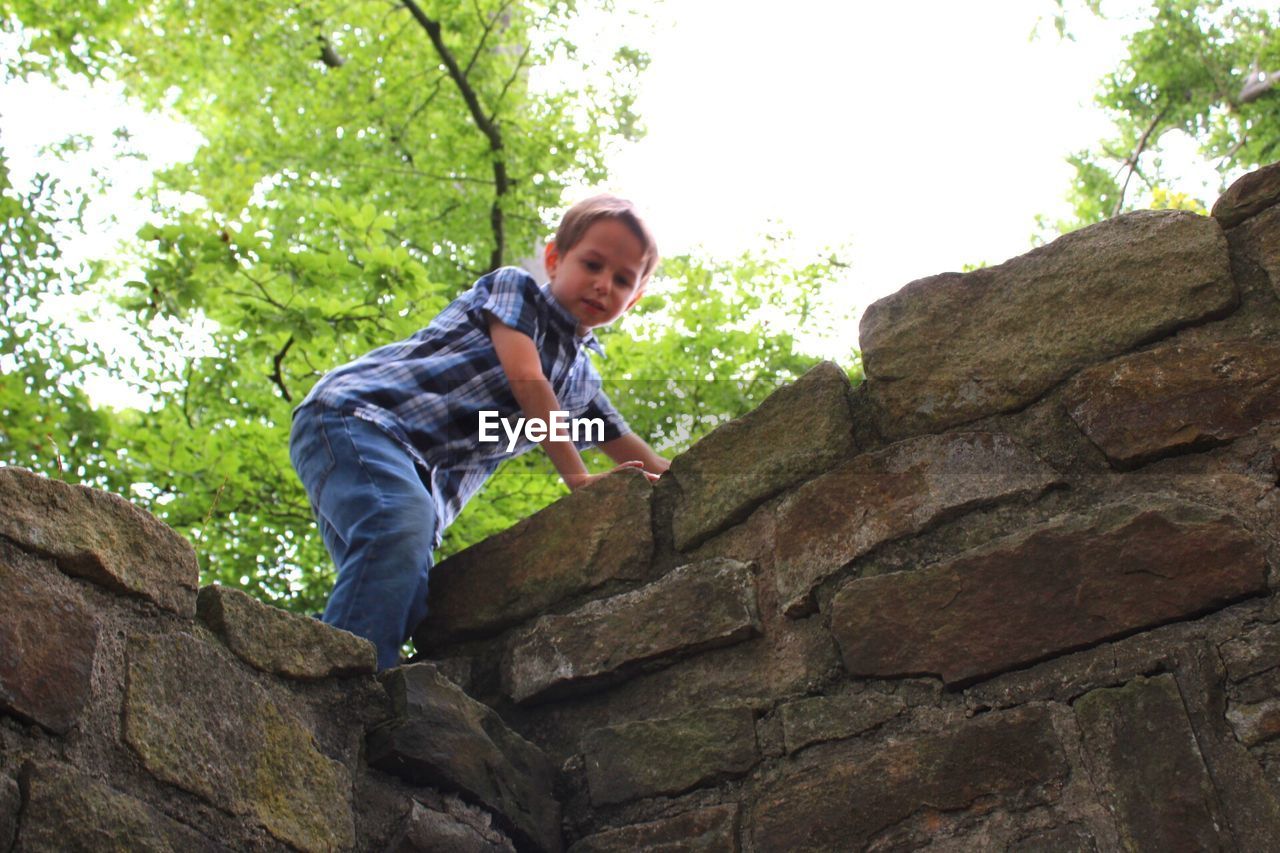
[[429, 831], [800, 430], [1145, 763], [955, 347], [821, 718], [899, 491], [441, 737], [1248, 196], [709, 830], [1257, 243], [593, 535], [695, 607], [1176, 398], [69, 811], [242, 752], [649, 758], [1052, 589], [282, 643], [99, 537], [48, 642], [844, 802]]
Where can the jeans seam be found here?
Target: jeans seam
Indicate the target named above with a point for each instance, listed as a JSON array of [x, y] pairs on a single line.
[[375, 541]]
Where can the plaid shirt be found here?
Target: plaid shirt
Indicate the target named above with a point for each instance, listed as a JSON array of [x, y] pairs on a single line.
[[427, 391]]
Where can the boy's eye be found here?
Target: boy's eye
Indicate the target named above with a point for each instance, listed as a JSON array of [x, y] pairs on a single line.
[[591, 265]]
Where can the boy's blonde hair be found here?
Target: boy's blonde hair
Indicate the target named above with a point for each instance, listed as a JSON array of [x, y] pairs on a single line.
[[587, 212]]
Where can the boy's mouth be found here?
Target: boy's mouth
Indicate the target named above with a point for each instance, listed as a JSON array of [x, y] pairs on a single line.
[[593, 305]]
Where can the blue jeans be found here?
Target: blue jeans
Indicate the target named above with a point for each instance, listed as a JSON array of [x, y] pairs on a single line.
[[377, 520]]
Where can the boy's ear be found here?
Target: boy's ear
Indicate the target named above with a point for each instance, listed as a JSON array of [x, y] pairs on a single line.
[[551, 258], [637, 296]]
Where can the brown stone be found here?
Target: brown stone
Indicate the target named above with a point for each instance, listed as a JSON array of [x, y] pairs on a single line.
[[1250, 194], [99, 537], [649, 758], [439, 736], [846, 800], [282, 643], [1255, 652], [1257, 722], [709, 830], [899, 491], [48, 642], [200, 723], [956, 347], [1176, 398], [69, 811], [1145, 763], [821, 718], [593, 535], [700, 606], [1257, 243], [798, 431], [1057, 587], [1071, 838]]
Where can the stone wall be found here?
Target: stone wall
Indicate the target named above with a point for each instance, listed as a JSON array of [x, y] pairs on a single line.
[[1013, 592]]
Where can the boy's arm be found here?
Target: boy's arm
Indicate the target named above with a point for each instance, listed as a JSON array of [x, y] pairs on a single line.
[[518, 356], [631, 447]]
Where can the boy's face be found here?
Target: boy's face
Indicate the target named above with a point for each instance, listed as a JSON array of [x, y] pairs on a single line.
[[598, 280]]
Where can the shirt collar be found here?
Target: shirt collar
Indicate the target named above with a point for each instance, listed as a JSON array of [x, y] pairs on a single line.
[[589, 340]]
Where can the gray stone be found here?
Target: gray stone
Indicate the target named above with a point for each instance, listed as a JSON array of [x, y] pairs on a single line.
[[1255, 722], [709, 830], [282, 643], [439, 736], [1255, 652], [48, 643], [99, 537], [69, 811], [10, 803], [649, 758], [1176, 398], [1249, 195], [591, 536], [844, 801], [1146, 765], [1051, 589], [235, 746], [822, 718], [797, 432], [430, 831], [899, 491], [700, 606], [956, 347]]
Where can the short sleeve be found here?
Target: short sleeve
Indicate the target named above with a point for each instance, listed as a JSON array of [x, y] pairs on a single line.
[[615, 426], [510, 294]]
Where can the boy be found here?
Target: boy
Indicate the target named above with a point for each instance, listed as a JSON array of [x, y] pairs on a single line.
[[388, 446]]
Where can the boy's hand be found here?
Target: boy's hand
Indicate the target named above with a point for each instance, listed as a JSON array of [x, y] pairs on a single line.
[[587, 479]]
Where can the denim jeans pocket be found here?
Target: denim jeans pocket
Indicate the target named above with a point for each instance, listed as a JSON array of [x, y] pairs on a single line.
[[309, 451]]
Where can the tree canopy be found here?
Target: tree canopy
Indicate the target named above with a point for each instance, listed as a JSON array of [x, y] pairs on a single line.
[[363, 162], [1205, 68]]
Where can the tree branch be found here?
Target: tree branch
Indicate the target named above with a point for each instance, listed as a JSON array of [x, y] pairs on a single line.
[[276, 376], [1132, 161], [501, 183]]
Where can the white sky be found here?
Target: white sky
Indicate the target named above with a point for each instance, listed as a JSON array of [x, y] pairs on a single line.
[[921, 134]]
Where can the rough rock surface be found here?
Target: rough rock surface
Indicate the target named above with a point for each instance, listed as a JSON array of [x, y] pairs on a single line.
[[10, 802], [1176, 398], [99, 537], [1144, 757], [1058, 587], [709, 830], [951, 348], [593, 535], [1248, 196], [441, 737], [655, 757], [244, 753], [1258, 241], [282, 643], [822, 718], [66, 810], [846, 801], [48, 644], [806, 426], [702, 605], [876, 497], [428, 830]]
